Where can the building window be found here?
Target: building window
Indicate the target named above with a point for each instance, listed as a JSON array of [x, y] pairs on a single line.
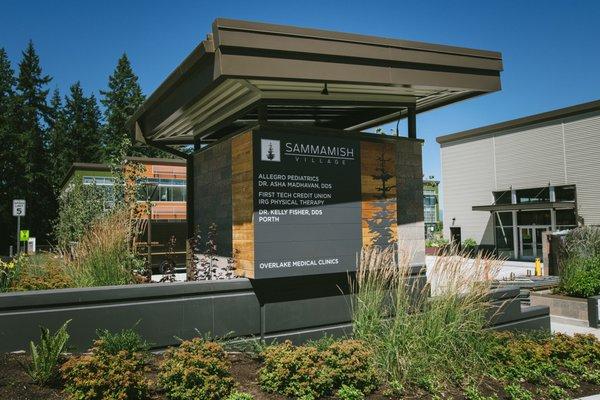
[[565, 193], [503, 197], [504, 234], [565, 219], [430, 215], [166, 190], [429, 200], [535, 195], [539, 217], [98, 180]]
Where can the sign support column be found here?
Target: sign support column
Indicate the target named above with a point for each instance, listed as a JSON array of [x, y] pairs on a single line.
[[18, 234], [18, 211]]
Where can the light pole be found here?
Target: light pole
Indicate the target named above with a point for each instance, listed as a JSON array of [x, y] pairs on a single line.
[[149, 195]]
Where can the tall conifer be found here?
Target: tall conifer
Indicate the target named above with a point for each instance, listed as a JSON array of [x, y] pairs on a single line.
[[31, 159], [82, 126], [121, 100], [8, 175]]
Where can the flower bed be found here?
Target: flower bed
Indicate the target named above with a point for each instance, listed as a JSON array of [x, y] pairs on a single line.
[[515, 367]]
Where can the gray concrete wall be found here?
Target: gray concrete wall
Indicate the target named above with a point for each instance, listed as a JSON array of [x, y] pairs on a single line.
[[291, 308]]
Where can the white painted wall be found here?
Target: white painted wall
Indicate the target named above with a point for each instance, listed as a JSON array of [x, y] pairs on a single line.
[[565, 151]]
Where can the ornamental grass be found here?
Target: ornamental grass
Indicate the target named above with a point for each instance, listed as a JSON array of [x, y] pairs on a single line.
[[432, 335]]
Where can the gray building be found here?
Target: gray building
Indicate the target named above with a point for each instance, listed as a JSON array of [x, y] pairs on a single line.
[[505, 184]]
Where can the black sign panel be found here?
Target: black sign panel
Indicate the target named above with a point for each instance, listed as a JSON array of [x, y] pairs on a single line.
[[307, 210]]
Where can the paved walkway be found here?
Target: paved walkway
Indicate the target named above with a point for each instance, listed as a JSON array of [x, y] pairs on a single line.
[[570, 326], [519, 268]]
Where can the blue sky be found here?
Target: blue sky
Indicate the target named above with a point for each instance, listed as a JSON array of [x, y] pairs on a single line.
[[550, 48]]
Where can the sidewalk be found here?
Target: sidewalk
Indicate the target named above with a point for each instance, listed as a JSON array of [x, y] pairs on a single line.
[[570, 326]]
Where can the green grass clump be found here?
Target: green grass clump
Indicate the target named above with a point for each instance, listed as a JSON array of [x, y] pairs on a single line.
[[418, 339], [105, 255]]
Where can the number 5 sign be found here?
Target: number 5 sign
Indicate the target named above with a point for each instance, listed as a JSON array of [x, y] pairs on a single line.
[[18, 208]]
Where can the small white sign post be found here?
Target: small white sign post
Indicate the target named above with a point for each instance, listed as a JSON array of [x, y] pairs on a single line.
[[31, 245], [18, 211]]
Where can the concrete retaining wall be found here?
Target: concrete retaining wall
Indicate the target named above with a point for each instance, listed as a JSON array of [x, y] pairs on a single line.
[[562, 306], [296, 309]]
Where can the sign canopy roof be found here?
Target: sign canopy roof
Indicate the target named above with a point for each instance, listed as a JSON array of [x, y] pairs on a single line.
[[245, 72]]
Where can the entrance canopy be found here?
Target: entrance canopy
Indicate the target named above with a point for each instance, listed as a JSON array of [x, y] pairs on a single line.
[[563, 205], [245, 72]]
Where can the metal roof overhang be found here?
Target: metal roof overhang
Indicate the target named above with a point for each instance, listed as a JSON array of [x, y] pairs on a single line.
[[561, 205], [247, 71]]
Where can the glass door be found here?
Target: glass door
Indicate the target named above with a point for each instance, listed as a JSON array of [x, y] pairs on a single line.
[[527, 243], [530, 241]]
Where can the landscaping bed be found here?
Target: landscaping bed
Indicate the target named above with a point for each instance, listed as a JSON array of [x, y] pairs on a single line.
[[518, 367]]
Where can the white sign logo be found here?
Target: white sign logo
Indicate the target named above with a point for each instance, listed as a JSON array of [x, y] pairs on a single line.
[[18, 208], [270, 150]]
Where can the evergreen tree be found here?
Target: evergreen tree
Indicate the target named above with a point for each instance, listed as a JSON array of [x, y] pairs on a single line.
[[82, 129], [7, 177], [29, 155], [59, 145], [121, 100]]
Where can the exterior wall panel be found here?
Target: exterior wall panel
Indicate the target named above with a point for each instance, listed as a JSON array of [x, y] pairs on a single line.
[[529, 158], [582, 148], [468, 179], [564, 151]]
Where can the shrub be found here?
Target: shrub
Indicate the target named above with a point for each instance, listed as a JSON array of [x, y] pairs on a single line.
[[420, 339], [352, 363], [583, 242], [437, 240], [349, 393], [472, 393], [516, 392], [46, 355], [557, 393], [317, 369], [40, 271], [294, 371], [580, 277], [127, 339], [240, 396], [33, 272], [196, 370], [556, 362], [104, 376], [469, 244], [78, 208], [8, 272]]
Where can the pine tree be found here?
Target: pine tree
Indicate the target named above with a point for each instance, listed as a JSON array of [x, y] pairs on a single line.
[[30, 155], [82, 126], [7, 177], [59, 146], [121, 100]]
